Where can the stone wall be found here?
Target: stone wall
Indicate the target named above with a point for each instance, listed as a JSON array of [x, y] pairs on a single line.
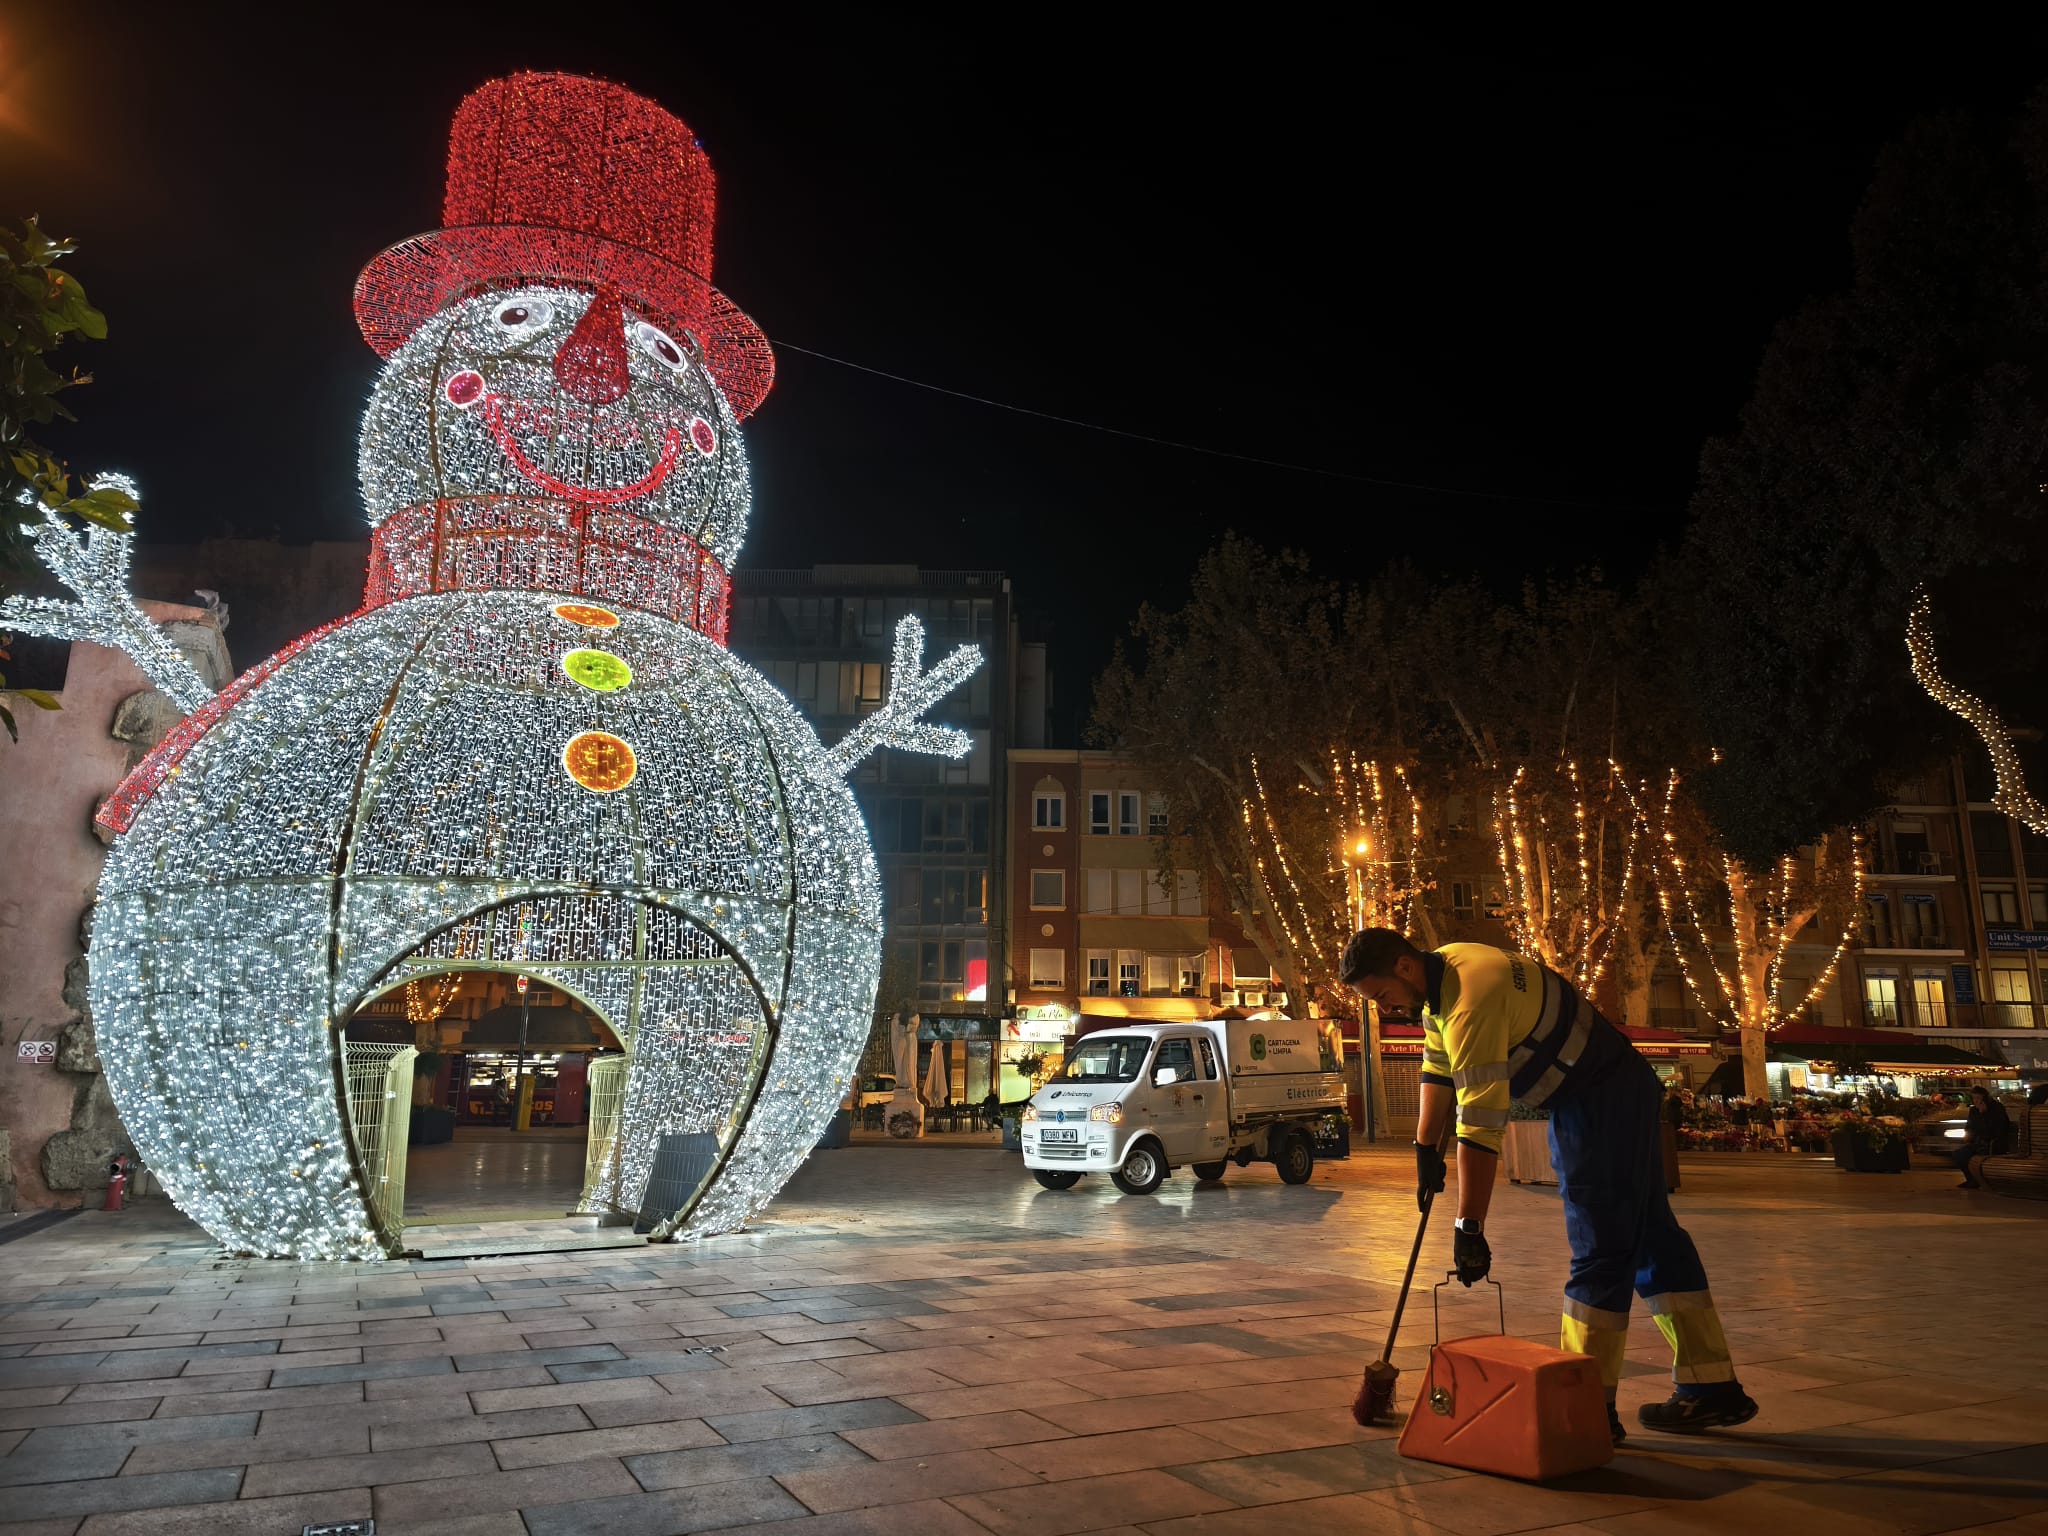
[[58, 1127]]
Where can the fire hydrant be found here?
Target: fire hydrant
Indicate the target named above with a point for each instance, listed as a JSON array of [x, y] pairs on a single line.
[[117, 1184]]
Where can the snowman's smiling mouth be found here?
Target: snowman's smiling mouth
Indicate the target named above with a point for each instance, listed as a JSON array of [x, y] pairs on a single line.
[[671, 448]]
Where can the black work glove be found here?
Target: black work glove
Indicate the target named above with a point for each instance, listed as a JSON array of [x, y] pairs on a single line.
[[1429, 1174], [1472, 1256]]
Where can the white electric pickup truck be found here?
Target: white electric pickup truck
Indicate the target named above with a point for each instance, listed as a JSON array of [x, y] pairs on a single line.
[[1139, 1100]]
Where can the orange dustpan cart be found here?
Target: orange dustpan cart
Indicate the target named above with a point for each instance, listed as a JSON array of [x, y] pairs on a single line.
[[1511, 1407]]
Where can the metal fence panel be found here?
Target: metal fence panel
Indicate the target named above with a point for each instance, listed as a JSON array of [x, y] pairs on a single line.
[[380, 1113], [606, 1086]]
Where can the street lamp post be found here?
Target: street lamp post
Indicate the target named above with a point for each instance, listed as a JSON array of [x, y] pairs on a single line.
[[1356, 855]]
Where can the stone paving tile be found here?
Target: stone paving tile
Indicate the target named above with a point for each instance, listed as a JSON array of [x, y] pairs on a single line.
[[379, 1470], [924, 1517], [731, 1463], [247, 1450], [527, 1491], [1098, 1455], [893, 1442], [945, 1475], [580, 1445], [343, 1394], [826, 1418], [711, 1507], [241, 1517], [157, 1490], [1087, 1504]]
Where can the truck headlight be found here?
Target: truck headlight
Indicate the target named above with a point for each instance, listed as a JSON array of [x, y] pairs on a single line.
[[1113, 1113], [1030, 1112]]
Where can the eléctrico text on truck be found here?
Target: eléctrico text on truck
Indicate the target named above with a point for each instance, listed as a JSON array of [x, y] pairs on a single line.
[[1140, 1100]]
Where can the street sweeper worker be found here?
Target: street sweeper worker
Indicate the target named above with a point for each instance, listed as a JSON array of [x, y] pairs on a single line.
[[1497, 1028]]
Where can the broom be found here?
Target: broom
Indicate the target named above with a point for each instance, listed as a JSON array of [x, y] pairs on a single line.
[[1375, 1400]]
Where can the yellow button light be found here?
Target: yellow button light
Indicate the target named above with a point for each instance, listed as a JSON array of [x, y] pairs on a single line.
[[599, 671]]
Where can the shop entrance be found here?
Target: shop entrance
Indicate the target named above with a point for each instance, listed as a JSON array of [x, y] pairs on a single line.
[[514, 1090]]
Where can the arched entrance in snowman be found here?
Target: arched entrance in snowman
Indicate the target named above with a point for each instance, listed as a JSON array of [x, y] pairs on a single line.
[[698, 1030]]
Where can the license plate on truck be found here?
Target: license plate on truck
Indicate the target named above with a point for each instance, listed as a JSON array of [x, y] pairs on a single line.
[[1071, 1133]]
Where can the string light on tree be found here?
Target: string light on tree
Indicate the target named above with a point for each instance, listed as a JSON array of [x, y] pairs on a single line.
[[2010, 793], [529, 750]]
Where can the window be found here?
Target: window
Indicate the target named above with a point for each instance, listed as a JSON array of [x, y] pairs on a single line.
[[1127, 972], [1187, 893], [1130, 890], [1158, 898], [2001, 906], [956, 899], [1127, 814], [1881, 998], [1048, 969], [860, 686], [2012, 998], [977, 827], [1877, 927], [1930, 999], [949, 962], [1462, 904], [1159, 975], [807, 682], [1155, 815], [1248, 967], [1099, 963], [1920, 922], [1048, 890], [977, 897], [1190, 972], [2037, 903], [1177, 1057], [1095, 891], [1208, 1060], [1098, 812], [909, 893], [1049, 810], [928, 960]]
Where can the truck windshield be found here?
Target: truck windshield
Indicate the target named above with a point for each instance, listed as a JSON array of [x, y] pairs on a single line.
[[1107, 1059]]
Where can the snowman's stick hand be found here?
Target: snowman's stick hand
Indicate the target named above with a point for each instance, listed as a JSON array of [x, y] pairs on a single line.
[[94, 564], [912, 691]]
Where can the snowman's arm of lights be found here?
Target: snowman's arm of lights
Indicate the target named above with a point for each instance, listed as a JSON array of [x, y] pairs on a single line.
[[2011, 795], [912, 691], [94, 564]]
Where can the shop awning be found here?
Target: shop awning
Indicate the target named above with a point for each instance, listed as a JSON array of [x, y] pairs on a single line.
[[549, 1027]]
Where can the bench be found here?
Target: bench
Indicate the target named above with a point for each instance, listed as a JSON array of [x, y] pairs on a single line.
[[2023, 1171]]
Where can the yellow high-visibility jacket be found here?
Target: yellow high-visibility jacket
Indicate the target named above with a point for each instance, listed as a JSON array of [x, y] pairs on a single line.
[[1481, 1003]]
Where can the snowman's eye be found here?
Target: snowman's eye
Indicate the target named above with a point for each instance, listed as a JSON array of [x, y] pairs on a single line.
[[662, 347], [525, 314]]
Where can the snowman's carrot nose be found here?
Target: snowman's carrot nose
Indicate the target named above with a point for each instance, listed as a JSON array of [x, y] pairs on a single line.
[[591, 364]]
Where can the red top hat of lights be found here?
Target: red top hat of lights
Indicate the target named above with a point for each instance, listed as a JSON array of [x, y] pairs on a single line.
[[559, 179]]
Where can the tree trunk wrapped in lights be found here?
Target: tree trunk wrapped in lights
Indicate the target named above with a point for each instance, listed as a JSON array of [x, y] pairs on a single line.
[[1703, 893]]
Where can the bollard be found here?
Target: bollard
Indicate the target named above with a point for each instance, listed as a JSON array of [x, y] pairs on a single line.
[[117, 1184]]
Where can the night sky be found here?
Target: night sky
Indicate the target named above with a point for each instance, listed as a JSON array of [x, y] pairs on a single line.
[[1541, 267]]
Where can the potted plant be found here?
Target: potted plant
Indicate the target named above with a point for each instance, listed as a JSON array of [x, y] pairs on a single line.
[[1870, 1143]]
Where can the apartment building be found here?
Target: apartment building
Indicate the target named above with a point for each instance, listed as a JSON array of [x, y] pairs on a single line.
[[1096, 936]]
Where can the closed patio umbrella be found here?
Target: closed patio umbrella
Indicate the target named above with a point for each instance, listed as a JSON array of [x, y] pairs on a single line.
[[938, 1085]]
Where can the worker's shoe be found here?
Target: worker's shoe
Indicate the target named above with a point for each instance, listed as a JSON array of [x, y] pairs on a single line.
[[1688, 1413], [1614, 1425]]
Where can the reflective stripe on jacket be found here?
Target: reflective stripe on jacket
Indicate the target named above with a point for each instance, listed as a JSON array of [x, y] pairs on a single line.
[[1498, 1027]]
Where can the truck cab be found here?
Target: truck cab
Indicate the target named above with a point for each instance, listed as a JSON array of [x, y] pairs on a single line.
[[1138, 1101]]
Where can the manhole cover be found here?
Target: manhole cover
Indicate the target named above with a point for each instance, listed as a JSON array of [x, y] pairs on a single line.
[[344, 1528], [705, 1349]]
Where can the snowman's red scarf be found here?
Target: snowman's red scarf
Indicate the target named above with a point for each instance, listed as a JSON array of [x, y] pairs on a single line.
[[120, 809]]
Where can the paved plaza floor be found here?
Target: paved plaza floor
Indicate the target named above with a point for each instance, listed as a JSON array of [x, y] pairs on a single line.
[[924, 1343]]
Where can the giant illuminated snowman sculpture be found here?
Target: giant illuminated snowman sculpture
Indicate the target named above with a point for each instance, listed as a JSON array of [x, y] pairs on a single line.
[[529, 749]]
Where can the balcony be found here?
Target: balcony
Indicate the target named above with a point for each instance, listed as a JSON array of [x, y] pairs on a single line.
[[1922, 862]]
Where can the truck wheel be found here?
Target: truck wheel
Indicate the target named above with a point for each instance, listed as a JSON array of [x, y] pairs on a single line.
[[1056, 1178], [1296, 1159], [1209, 1173], [1142, 1171]]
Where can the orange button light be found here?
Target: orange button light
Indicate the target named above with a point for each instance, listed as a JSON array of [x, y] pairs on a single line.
[[600, 761], [589, 615]]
